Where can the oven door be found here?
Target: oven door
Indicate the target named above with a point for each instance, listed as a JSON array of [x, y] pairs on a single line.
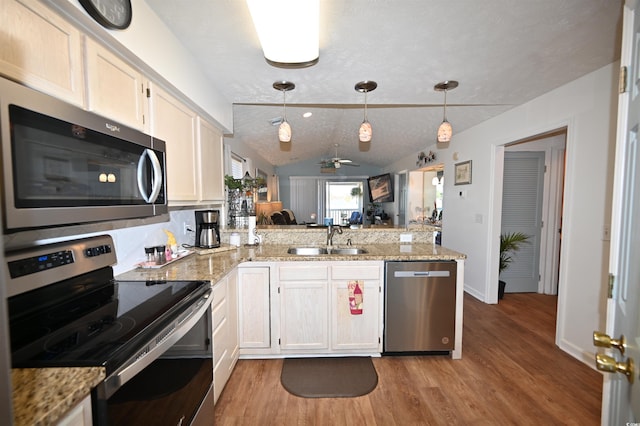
[[169, 384]]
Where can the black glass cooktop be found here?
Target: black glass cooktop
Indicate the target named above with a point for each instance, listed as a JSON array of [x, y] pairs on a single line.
[[93, 320]]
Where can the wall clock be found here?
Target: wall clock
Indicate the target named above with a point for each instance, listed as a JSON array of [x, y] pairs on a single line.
[[114, 14]]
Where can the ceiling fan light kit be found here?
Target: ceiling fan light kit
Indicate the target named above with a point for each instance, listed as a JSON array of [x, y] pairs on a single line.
[[445, 131], [288, 30], [336, 162], [284, 130], [365, 133]]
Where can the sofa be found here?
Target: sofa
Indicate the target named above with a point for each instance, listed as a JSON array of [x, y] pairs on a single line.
[[283, 217]]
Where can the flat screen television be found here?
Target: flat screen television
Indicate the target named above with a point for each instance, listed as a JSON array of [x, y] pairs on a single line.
[[380, 188]]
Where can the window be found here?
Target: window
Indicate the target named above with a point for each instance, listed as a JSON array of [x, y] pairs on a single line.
[[342, 199], [237, 164]]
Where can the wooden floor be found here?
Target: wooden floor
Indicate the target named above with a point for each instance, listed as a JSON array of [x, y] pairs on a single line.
[[511, 373]]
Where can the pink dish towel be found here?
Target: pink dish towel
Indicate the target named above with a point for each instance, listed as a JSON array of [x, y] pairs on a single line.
[[355, 296]]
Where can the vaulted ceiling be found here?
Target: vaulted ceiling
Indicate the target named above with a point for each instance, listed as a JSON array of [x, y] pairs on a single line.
[[503, 52]]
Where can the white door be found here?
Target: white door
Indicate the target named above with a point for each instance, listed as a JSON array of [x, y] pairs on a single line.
[[621, 398], [522, 212]]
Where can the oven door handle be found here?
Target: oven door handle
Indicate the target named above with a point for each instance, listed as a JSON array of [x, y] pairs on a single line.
[[170, 337], [156, 179]]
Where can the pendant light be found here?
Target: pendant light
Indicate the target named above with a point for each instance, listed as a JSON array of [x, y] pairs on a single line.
[[366, 132], [284, 130], [445, 130]]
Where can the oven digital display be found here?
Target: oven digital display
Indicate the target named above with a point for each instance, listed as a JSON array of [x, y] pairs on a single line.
[[31, 265]]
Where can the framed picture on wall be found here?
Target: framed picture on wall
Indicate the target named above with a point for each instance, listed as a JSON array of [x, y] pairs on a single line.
[[463, 173]]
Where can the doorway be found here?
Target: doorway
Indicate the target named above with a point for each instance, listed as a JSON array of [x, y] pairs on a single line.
[[522, 192], [552, 145]]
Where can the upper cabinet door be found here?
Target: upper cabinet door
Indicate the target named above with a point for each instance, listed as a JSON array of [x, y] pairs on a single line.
[[211, 162], [175, 124], [114, 88], [41, 50]]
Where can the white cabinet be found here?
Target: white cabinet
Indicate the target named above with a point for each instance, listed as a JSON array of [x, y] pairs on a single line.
[[41, 50], [115, 89], [356, 332], [80, 415], [211, 158], [195, 170], [304, 306], [314, 311], [305, 310], [175, 124], [254, 307], [225, 330]]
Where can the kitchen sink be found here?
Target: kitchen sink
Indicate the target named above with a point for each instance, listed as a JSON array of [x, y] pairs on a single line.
[[348, 250], [307, 251], [316, 251]]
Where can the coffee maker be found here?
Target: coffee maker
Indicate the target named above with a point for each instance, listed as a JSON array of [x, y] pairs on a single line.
[[207, 228]]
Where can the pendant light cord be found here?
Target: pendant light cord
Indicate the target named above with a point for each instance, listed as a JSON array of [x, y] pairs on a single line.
[[365, 105], [284, 104], [445, 105]]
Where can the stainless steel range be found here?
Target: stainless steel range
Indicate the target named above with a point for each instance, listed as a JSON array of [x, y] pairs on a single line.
[[152, 337]]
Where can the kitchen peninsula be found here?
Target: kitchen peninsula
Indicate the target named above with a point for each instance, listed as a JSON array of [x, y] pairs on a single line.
[[278, 267], [230, 269]]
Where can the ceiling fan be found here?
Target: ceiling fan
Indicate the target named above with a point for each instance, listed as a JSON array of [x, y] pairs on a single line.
[[337, 162]]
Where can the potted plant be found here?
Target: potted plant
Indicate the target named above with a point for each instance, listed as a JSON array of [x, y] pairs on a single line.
[[509, 244]]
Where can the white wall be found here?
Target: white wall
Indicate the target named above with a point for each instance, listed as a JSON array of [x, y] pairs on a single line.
[[471, 225]]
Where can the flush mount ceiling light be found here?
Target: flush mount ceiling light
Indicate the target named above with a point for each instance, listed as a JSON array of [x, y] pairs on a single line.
[[288, 31], [366, 132], [284, 130], [445, 131]]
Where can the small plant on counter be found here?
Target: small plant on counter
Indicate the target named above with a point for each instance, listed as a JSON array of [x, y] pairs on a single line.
[[232, 183]]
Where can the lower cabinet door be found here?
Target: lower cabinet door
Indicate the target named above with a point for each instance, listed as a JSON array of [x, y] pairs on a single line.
[[254, 307], [304, 320], [353, 330]]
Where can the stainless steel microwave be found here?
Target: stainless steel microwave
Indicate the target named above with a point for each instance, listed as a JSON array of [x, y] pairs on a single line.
[[62, 165]]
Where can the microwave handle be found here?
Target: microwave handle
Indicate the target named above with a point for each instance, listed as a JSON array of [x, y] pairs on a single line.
[[157, 176]]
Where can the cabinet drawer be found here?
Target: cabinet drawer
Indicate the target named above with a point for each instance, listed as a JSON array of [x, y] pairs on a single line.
[[303, 272], [355, 272], [220, 343], [219, 313], [219, 292]]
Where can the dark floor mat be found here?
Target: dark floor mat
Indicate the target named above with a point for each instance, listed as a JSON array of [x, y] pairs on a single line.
[[329, 377]]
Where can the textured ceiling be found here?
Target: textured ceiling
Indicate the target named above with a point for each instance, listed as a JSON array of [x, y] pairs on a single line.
[[503, 53]]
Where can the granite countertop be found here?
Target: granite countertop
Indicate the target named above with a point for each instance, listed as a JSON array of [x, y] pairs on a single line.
[[214, 266], [41, 396]]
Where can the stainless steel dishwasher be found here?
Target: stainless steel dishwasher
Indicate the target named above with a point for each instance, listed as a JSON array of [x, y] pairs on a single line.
[[420, 306]]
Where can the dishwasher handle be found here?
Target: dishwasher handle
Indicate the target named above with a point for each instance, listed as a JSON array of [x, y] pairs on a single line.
[[421, 274]]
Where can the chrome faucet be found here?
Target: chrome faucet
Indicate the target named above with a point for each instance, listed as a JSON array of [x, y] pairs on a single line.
[[331, 229]]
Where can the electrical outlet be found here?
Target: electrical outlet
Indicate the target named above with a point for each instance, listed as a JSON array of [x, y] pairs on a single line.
[[406, 238], [186, 228]]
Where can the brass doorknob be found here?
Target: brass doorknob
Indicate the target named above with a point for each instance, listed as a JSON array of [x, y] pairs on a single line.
[[603, 340], [609, 364]]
